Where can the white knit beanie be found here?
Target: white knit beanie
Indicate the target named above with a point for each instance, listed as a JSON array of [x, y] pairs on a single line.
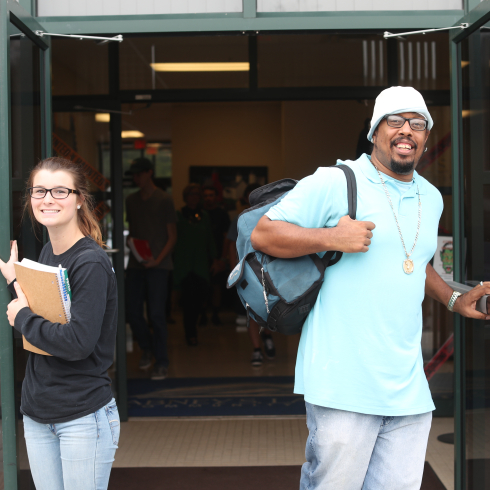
[[395, 100]]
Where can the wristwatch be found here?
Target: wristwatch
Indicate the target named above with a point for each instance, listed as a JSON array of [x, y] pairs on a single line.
[[452, 300]]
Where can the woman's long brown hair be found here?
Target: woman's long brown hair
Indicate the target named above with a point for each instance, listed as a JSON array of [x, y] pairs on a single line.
[[87, 222]]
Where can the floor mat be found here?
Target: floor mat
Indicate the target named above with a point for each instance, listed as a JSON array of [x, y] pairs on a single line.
[[236, 478], [187, 397]]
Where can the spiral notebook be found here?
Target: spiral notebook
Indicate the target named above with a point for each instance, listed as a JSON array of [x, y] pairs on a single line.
[[48, 292]]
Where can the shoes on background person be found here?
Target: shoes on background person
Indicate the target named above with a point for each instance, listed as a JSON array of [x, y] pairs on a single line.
[[257, 358], [241, 320], [145, 360], [269, 347], [158, 373]]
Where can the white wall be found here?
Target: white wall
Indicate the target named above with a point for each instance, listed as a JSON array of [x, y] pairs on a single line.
[[140, 7], [343, 5], [134, 7]]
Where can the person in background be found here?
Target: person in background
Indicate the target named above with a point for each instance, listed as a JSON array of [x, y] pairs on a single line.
[[254, 328], [71, 421], [220, 223], [151, 216], [195, 259]]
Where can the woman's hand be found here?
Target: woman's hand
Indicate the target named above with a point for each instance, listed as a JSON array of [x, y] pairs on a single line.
[[17, 304], [7, 268]]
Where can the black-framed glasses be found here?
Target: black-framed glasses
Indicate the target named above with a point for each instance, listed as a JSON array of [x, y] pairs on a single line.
[[416, 123], [56, 192]]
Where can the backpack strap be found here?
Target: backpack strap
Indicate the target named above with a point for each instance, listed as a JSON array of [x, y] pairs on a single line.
[[352, 206]]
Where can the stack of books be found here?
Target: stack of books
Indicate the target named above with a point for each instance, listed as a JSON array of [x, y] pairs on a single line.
[[48, 293]]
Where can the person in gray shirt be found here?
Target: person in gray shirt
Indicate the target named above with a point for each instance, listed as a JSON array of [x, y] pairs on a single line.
[[151, 216]]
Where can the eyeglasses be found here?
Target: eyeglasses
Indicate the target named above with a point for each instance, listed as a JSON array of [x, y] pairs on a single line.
[[56, 192], [416, 124]]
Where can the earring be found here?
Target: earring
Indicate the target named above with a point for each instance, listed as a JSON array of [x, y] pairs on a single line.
[[425, 149], [78, 207]]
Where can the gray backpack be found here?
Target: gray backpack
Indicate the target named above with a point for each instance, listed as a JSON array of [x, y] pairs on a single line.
[[279, 293]]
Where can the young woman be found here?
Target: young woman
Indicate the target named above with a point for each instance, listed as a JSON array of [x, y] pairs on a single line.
[[71, 422]]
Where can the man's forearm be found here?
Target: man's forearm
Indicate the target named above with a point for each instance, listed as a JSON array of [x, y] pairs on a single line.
[[435, 287], [285, 240]]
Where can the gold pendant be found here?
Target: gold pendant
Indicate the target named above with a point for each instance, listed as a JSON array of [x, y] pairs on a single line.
[[408, 266]]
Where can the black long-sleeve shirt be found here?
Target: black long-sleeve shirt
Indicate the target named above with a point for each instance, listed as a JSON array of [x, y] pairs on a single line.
[[73, 382]]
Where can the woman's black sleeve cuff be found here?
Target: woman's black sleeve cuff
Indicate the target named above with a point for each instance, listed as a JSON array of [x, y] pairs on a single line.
[[11, 288]]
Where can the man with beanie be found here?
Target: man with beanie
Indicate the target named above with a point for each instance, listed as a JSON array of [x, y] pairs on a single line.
[[359, 363]]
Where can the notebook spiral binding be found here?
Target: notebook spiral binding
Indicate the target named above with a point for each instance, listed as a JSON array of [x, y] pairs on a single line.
[[63, 295]]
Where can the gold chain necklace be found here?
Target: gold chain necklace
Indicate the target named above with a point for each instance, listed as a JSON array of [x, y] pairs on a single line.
[[408, 263]]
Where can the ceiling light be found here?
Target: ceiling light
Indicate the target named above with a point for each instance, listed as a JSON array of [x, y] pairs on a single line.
[[472, 112], [103, 117], [132, 134], [179, 67]]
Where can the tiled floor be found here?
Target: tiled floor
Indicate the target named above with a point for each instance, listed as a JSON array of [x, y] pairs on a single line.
[[211, 442], [439, 454]]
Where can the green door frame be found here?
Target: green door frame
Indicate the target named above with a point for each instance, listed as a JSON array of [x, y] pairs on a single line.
[[250, 21], [27, 24], [476, 18]]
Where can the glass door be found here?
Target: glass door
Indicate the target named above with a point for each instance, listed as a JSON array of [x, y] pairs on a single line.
[[25, 136], [471, 169]]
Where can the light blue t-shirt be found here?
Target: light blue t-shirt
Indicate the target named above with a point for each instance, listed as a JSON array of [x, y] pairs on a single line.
[[360, 348]]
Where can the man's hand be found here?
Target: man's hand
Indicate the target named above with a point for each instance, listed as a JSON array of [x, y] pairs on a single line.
[[7, 268], [17, 304], [151, 263], [353, 236], [466, 304]]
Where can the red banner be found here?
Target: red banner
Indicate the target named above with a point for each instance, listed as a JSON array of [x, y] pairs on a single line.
[[431, 156], [101, 210], [65, 151], [441, 356]]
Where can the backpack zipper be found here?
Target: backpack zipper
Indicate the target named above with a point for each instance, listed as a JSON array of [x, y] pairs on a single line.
[[264, 291]]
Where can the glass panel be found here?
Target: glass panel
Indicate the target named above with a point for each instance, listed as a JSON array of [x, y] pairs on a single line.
[[89, 75], [437, 331], [84, 137], [137, 55], [26, 137], [25, 86], [423, 61], [314, 60], [147, 132], [476, 148]]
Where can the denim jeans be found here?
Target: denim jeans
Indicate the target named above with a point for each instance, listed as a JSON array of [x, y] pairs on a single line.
[[354, 451], [75, 455], [150, 285]]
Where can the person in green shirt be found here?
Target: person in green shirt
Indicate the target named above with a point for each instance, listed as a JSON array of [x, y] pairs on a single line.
[[194, 259]]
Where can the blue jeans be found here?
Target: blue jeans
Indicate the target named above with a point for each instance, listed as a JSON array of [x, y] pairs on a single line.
[[150, 285], [354, 451], [76, 455]]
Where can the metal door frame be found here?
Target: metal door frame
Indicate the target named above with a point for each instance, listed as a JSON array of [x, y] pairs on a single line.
[[12, 12], [476, 18]]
